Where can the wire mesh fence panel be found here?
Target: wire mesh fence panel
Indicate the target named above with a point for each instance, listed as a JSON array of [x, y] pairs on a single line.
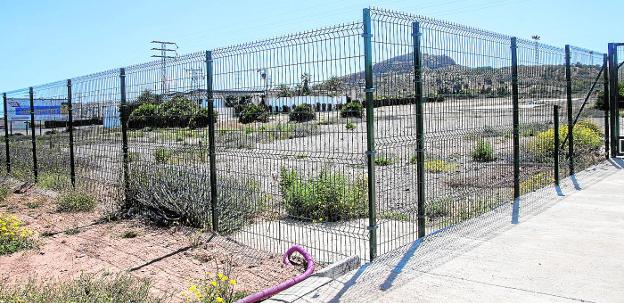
[[20, 144], [589, 110], [52, 135], [269, 142], [168, 140], [291, 143], [97, 136], [541, 85], [467, 119], [620, 93]]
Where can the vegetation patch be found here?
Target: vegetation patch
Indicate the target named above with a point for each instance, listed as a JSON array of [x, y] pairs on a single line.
[[13, 235], [54, 181], [162, 155], [440, 166], [217, 289], [85, 288], [76, 201], [483, 151], [251, 112], [535, 182], [4, 192], [350, 125], [588, 139], [179, 111], [329, 197], [383, 160], [395, 216], [180, 195], [352, 109], [302, 113]]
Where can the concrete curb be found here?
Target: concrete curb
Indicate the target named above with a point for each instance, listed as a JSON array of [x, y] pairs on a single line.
[[318, 280]]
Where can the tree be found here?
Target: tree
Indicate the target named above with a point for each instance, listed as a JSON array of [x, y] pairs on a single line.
[[305, 82], [332, 86], [148, 97], [284, 91]]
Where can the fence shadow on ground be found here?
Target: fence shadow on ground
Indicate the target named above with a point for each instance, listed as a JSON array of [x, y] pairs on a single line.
[[423, 256]]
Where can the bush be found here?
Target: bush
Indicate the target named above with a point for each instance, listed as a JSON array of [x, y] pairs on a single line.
[[202, 118], [177, 112], [75, 201], [302, 113], [535, 182], [439, 166], [253, 113], [352, 109], [588, 139], [86, 288], [383, 161], [4, 192], [168, 195], [218, 289], [54, 181], [350, 125], [143, 116], [327, 198], [13, 235], [483, 152], [162, 155]]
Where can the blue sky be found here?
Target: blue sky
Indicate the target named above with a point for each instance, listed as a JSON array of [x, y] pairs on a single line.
[[49, 40]]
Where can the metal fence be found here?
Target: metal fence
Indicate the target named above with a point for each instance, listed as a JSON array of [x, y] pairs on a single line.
[[355, 139]]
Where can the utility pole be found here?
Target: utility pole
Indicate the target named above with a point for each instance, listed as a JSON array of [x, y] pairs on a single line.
[[197, 75], [536, 38], [165, 51]]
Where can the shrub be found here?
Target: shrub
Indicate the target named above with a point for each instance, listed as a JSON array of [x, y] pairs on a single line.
[[162, 155], [75, 201], [439, 166], [168, 195], [201, 118], [350, 125], [86, 288], [327, 198], [483, 151], [54, 181], [252, 113], [143, 116], [352, 109], [438, 208], [177, 112], [383, 160], [219, 289], [535, 182], [587, 140], [302, 113], [13, 235], [4, 192]]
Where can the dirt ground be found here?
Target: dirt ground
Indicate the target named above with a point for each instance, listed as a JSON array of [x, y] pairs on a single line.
[[164, 255]]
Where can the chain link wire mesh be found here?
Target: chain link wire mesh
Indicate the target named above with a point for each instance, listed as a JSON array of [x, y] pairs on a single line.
[[284, 150]]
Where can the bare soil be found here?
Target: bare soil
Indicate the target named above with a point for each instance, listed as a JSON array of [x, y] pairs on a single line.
[[69, 244]]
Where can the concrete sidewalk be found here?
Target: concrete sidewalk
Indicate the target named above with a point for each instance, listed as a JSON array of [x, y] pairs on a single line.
[[548, 248]]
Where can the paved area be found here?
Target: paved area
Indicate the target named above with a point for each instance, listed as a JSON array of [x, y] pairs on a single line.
[[556, 245]]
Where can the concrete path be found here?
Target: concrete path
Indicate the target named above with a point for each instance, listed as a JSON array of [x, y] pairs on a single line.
[[554, 246]]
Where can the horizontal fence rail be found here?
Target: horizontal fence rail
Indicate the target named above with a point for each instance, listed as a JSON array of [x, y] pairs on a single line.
[[355, 139]]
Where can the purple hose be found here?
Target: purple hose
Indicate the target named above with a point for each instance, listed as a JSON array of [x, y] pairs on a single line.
[[271, 291]]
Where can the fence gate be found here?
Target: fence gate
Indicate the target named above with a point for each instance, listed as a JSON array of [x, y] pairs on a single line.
[[616, 98]]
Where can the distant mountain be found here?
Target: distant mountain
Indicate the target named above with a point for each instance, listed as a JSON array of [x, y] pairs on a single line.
[[402, 64]]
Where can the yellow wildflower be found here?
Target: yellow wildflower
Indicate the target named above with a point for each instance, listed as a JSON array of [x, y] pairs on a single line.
[[232, 282], [220, 300], [213, 283]]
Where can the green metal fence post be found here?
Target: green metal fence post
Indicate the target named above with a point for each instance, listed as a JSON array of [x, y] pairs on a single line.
[[211, 143], [613, 98], [516, 118], [6, 134], [606, 101], [123, 112], [556, 143], [33, 134], [420, 134], [370, 133], [70, 126], [568, 75]]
